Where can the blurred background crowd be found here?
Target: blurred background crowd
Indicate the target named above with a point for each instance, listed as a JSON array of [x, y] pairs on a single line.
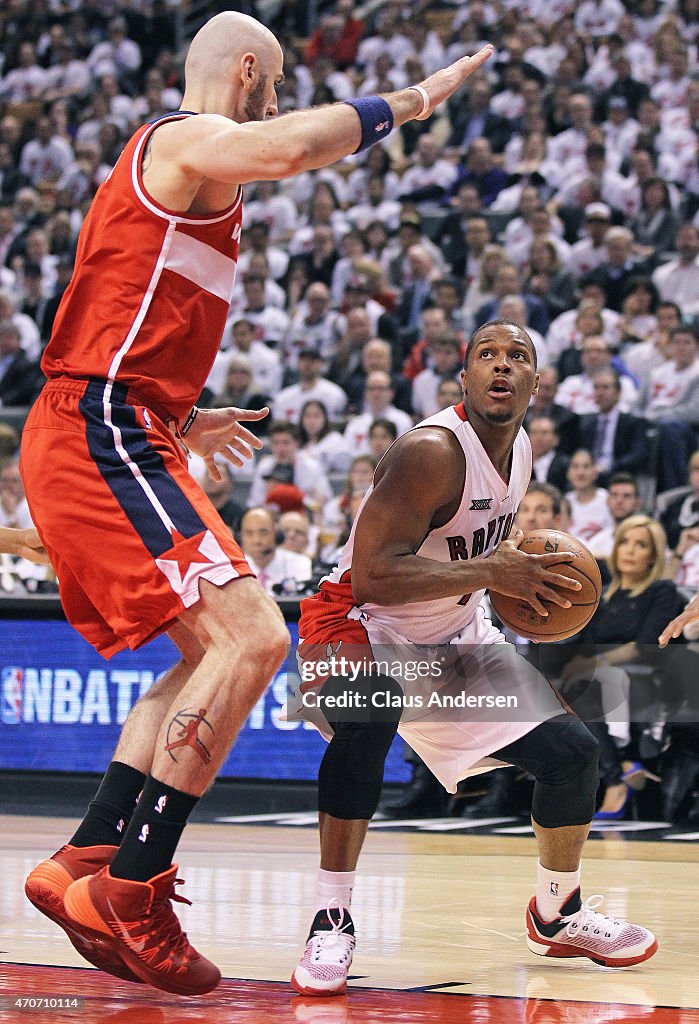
[[559, 190]]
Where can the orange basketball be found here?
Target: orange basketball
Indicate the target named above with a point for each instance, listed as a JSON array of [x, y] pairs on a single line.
[[560, 622]]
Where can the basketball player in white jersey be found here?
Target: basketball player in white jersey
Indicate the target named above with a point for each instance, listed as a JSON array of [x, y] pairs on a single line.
[[430, 537]]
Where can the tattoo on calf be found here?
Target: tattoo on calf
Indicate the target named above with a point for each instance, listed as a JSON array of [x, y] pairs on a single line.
[[183, 731]]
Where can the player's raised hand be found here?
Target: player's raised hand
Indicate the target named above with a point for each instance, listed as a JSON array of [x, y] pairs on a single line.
[[442, 84], [221, 432], [516, 574], [674, 628]]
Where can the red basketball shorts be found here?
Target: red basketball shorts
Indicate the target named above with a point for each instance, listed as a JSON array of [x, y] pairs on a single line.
[[128, 530]]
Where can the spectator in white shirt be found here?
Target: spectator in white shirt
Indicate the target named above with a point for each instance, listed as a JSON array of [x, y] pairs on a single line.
[[68, 77], [314, 325], [118, 55], [643, 357], [577, 392], [430, 177], [271, 564], [271, 324], [311, 385], [278, 212], [445, 364], [623, 500], [678, 280], [378, 399], [590, 251], [589, 509], [45, 157], [257, 240], [594, 18], [287, 464], [266, 366], [27, 80], [671, 400], [319, 439]]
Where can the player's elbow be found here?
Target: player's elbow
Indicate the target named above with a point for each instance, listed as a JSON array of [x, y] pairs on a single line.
[[369, 585]]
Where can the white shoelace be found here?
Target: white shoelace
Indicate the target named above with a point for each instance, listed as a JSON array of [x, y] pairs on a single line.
[[331, 947], [589, 921]]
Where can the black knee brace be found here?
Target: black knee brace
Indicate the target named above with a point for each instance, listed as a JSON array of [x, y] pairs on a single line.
[[351, 772], [564, 793], [562, 755]]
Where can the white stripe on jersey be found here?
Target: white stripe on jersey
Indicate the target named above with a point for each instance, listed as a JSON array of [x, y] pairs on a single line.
[[202, 265]]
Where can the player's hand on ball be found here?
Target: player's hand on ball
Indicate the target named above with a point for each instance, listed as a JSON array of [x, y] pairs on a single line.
[[516, 574], [220, 432]]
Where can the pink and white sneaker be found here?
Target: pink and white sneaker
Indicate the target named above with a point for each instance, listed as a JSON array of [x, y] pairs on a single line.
[[581, 931], [327, 957]]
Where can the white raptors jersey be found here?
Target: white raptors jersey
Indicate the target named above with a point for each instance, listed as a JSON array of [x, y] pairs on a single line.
[[484, 518]]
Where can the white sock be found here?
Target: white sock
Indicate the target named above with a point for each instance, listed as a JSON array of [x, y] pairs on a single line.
[[334, 885], [552, 890]]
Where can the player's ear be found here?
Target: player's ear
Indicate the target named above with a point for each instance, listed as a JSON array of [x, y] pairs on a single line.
[[247, 69], [462, 377], [535, 389]]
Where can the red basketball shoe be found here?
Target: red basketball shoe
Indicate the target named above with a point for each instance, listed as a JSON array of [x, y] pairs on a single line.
[[581, 931], [45, 888], [137, 921]]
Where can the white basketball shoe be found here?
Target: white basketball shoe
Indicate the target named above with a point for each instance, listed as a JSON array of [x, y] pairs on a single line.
[[327, 957], [581, 931]]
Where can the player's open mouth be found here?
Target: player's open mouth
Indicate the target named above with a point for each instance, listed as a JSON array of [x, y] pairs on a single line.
[[500, 389]]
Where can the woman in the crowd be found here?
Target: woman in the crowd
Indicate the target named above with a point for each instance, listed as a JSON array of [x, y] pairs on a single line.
[[320, 440], [635, 609], [482, 288], [590, 512], [638, 321], [655, 225], [548, 279], [338, 515]]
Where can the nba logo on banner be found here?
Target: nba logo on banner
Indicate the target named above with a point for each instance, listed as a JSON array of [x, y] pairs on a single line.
[[12, 688]]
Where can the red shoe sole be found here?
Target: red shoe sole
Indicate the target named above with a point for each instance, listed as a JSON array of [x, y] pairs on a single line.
[[43, 890]]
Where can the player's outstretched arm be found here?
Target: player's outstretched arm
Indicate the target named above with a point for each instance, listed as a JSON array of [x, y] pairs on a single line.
[[210, 146], [25, 543]]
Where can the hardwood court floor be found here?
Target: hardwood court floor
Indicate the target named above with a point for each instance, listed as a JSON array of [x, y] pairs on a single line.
[[440, 924]]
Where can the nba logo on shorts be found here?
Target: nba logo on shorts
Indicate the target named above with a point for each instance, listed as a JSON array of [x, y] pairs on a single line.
[[12, 687]]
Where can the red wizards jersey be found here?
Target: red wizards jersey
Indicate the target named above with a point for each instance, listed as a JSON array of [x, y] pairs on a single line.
[[148, 301]]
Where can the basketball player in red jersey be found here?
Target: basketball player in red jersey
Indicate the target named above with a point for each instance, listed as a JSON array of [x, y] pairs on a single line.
[[137, 547], [25, 543], [411, 578]]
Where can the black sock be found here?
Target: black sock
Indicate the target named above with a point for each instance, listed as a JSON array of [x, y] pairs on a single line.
[[109, 813], [151, 839]]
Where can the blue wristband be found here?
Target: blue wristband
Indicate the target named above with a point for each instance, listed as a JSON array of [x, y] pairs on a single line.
[[375, 117]]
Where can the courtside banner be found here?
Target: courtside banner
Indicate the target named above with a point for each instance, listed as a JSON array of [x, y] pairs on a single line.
[[62, 707]]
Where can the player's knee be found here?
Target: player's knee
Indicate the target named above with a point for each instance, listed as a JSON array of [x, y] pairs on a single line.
[[268, 644], [351, 772], [573, 752]]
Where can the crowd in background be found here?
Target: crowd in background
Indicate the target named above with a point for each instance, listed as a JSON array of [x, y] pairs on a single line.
[[558, 190]]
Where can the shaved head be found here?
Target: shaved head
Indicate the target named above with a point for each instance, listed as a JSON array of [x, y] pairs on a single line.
[[234, 53]]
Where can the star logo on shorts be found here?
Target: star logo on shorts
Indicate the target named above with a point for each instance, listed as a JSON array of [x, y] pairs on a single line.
[[185, 551], [190, 559]]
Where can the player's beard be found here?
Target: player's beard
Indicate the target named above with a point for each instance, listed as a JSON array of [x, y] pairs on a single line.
[[255, 103]]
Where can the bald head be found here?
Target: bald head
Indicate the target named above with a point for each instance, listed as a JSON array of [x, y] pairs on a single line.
[[233, 64]]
